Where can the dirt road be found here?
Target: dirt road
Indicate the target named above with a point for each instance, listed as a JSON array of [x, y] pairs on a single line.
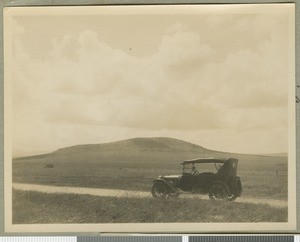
[[123, 193]]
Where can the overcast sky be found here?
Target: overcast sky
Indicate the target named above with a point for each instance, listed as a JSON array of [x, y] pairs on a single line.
[[219, 81]]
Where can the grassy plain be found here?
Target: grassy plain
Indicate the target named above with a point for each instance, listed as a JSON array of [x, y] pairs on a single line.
[[133, 164], [34, 207]]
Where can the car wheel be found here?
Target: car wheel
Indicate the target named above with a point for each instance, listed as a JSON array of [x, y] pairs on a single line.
[[160, 190], [232, 197], [218, 192], [174, 195]]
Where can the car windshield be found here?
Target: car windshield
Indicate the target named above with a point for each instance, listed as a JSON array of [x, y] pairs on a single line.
[[197, 168]]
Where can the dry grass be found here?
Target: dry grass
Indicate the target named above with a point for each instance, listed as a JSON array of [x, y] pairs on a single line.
[[259, 179], [34, 207], [133, 164]]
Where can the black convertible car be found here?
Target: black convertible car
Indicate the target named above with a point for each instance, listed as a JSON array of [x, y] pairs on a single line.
[[222, 184]]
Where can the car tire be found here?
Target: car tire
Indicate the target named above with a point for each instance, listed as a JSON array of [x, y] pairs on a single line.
[[174, 195], [232, 197], [218, 192], [160, 190]]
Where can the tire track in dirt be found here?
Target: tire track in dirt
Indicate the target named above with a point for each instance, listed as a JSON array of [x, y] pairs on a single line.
[[124, 193], [80, 190]]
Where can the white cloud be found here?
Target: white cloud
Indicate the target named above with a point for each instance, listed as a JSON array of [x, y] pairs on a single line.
[[182, 90]]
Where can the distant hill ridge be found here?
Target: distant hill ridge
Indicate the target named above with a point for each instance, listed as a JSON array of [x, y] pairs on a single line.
[[157, 148], [128, 146], [157, 143]]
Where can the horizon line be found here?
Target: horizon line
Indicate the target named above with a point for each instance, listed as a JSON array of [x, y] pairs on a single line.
[[38, 153]]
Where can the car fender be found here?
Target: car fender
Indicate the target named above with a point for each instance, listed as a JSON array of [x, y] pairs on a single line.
[[220, 183], [168, 183]]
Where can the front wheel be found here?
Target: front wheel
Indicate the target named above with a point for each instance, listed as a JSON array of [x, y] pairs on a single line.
[[160, 190], [218, 192]]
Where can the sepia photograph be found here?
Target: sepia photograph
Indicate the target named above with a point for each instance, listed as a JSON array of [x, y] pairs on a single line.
[[158, 118]]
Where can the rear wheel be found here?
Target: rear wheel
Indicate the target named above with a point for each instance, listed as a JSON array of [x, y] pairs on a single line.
[[160, 190], [174, 194], [218, 192], [232, 197], [236, 191]]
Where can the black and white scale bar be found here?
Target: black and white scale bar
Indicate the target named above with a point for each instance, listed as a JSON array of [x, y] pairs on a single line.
[[185, 238], [155, 238], [258, 238], [38, 239], [129, 238]]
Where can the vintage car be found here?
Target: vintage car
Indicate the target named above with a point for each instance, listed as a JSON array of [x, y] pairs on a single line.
[[223, 184]]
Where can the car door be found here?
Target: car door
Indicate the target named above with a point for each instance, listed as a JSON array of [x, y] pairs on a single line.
[[202, 181], [187, 182]]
